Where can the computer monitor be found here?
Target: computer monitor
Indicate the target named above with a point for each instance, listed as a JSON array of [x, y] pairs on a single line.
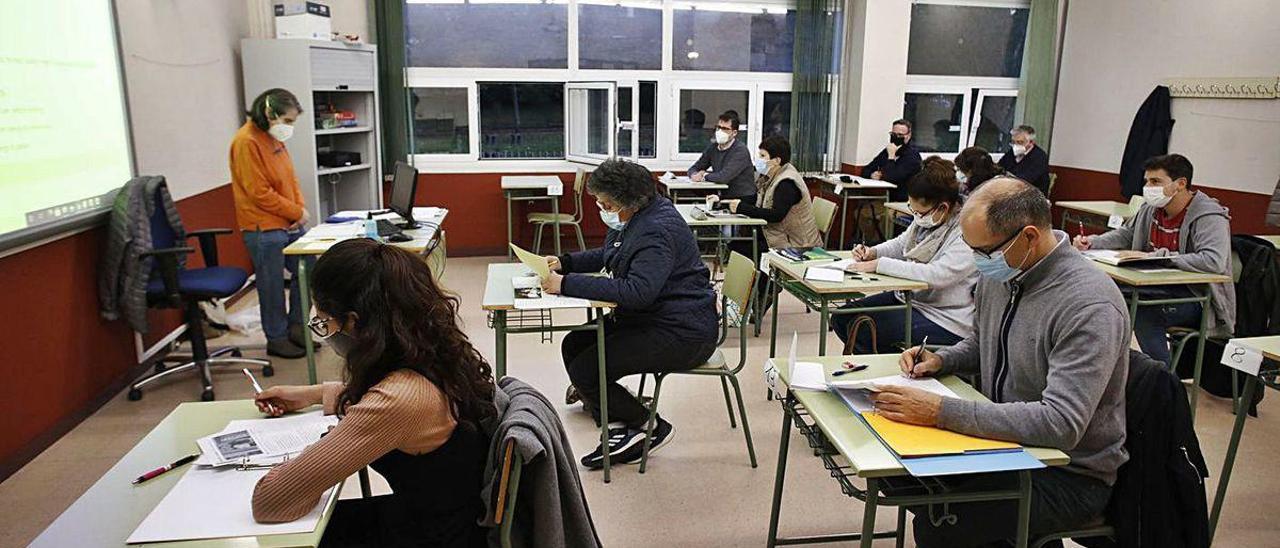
[[404, 185]]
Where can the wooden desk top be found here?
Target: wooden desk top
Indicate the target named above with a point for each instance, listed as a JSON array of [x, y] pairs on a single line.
[[684, 183], [1269, 346], [858, 183], [1140, 278], [500, 295], [1101, 208], [900, 207], [796, 271], [851, 436], [527, 182], [422, 237], [686, 211], [108, 512]]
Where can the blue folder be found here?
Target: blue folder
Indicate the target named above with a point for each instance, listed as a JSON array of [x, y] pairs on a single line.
[[972, 463]]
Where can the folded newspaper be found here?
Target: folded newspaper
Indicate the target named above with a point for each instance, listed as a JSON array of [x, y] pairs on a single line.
[[261, 441]]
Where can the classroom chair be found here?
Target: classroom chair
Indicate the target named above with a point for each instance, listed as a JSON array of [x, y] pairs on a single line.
[[1180, 336], [1053, 181], [508, 490], [739, 283], [824, 211], [172, 285], [541, 220]]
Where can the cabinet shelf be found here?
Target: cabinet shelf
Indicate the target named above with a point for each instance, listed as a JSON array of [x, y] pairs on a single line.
[[343, 169], [342, 130]]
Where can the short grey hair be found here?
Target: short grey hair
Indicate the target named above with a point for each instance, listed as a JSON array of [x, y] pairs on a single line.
[[1029, 131], [1011, 204], [628, 184]]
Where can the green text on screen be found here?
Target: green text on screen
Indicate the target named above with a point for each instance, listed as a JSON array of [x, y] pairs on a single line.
[[63, 136]]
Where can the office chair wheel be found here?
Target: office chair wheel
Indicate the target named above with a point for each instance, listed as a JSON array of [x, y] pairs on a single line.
[[134, 394], [268, 371], [207, 395]]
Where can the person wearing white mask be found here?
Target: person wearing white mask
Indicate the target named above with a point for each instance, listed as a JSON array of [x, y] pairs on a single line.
[[930, 250], [1190, 227], [727, 161], [1025, 160], [665, 319], [271, 213]]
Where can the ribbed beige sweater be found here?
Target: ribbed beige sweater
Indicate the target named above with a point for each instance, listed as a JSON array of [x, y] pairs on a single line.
[[405, 411]]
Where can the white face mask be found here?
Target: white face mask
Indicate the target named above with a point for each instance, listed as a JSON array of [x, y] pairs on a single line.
[[762, 165], [961, 177], [1155, 196], [281, 132], [926, 220], [722, 137], [611, 219], [1019, 150]]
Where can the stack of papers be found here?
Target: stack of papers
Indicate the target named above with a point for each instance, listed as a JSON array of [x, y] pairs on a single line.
[[857, 394], [1115, 257], [351, 229], [263, 440]]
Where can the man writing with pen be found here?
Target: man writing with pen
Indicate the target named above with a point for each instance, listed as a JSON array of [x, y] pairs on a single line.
[[1050, 342]]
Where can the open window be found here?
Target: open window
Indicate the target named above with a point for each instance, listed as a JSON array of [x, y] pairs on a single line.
[[993, 119], [591, 121]]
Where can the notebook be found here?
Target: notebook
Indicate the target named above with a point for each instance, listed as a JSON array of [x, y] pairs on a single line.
[[909, 440]]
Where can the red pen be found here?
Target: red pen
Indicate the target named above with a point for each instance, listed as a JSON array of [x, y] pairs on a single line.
[[166, 468]]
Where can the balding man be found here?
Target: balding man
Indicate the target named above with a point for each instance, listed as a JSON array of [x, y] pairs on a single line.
[[1025, 160], [1051, 343]]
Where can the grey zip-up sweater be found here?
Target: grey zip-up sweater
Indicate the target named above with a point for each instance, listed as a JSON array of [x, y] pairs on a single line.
[[1204, 245], [1052, 347], [730, 166]]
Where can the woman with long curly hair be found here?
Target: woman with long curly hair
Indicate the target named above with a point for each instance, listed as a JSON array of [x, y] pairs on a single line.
[[414, 395]]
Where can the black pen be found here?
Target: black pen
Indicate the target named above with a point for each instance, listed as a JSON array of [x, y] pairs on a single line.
[[166, 468], [916, 359]]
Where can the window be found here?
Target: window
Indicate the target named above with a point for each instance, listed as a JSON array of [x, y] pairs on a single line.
[[619, 36], [591, 118], [777, 114], [521, 120], [994, 120], [440, 121], [936, 120], [648, 120], [966, 40], [493, 34], [699, 110], [733, 37]]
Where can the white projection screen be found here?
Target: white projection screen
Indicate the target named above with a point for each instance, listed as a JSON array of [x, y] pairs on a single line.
[[64, 128]]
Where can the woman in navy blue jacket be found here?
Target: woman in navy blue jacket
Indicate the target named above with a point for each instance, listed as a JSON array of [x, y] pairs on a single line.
[[665, 318]]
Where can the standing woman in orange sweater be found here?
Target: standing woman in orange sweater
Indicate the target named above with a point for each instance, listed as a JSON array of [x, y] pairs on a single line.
[[414, 397], [271, 214]]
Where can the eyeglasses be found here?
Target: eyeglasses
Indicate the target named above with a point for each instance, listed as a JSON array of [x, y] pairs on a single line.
[[986, 253], [607, 209], [923, 213], [320, 327]]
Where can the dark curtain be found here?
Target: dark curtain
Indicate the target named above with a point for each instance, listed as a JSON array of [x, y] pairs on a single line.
[[389, 28], [815, 61]]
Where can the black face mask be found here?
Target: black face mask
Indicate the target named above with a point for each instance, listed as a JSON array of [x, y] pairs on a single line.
[[896, 139]]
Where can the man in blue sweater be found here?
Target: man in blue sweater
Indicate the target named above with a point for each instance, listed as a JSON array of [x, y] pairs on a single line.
[[727, 161]]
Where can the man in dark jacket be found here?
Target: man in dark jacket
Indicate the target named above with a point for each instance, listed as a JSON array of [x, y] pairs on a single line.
[[1027, 161], [665, 318], [727, 161], [898, 162]]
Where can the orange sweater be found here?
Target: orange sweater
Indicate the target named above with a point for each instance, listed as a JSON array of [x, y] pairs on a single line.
[[262, 179], [405, 411]]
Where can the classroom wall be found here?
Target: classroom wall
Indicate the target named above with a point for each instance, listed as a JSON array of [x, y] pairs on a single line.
[[182, 73], [875, 75], [1115, 53]]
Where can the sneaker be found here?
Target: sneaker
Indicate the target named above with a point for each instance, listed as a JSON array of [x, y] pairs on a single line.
[[661, 435], [571, 395], [284, 348], [298, 339], [620, 440]]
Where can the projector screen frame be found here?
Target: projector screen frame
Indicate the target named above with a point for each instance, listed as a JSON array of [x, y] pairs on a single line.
[[23, 239]]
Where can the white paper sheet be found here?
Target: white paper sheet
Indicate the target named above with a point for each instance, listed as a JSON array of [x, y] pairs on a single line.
[[336, 230], [824, 274], [872, 385], [536, 263], [216, 503], [551, 301], [264, 438], [835, 265]]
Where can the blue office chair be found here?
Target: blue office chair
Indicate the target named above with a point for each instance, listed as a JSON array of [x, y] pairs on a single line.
[[171, 285]]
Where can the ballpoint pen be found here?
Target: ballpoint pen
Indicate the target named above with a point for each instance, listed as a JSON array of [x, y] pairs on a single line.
[[916, 358], [849, 368], [165, 468], [257, 388]]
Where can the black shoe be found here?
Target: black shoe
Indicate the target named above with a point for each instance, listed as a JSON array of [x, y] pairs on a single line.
[[620, 440], [662, 433], [571, 395], [284, 348], [298, 339]]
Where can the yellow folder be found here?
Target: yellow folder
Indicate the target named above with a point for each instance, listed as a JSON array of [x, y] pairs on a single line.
[[909, 440]]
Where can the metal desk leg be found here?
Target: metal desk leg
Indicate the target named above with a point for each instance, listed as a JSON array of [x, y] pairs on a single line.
[[1133, 310], [869, 513], [875, 221], [756, 296], [844, 215], [604, 392], [555, 214], [305, 288], [776, 285], [1204, 335], [824, 320], [779, 479], [507, 194], [1250, 385], [500, 342], [1024, 508], [906, 299]]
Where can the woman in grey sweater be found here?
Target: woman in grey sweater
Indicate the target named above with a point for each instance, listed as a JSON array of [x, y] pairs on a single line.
[[930, 250]]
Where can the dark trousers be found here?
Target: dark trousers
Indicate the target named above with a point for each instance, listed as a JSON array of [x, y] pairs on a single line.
[[889, 326], [1151, 322], [1060, 500], [384, 522], [629, 350]]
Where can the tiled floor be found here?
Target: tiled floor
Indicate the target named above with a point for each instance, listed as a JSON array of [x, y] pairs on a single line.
[[699, 491]]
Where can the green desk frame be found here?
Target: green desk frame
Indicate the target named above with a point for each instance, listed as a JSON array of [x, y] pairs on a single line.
[[1267, 378]]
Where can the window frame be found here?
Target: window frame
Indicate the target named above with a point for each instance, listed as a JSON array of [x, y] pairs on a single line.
[[571, 125], [983, 93], [473, 123]]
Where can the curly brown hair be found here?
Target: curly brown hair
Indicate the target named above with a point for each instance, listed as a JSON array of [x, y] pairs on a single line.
[[403, 320]]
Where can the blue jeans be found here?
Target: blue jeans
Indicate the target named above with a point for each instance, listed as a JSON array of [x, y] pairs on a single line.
[[266, 249], [889, 326], [1152, 321]]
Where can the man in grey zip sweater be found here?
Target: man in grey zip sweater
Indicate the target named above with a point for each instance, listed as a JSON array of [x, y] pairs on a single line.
[[1051, 338], [1195, 227]]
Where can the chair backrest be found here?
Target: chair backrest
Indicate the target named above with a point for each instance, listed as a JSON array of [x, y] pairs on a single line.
[[162, 235], [824, 211], [508, 491], [1053, 180], [579, 185], [1135, 202], [739, 281]]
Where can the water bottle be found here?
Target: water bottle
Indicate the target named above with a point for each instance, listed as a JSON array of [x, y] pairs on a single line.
[[371, 230]]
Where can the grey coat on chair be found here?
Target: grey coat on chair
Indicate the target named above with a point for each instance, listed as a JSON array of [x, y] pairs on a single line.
[[551, 510], [124, 273]]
